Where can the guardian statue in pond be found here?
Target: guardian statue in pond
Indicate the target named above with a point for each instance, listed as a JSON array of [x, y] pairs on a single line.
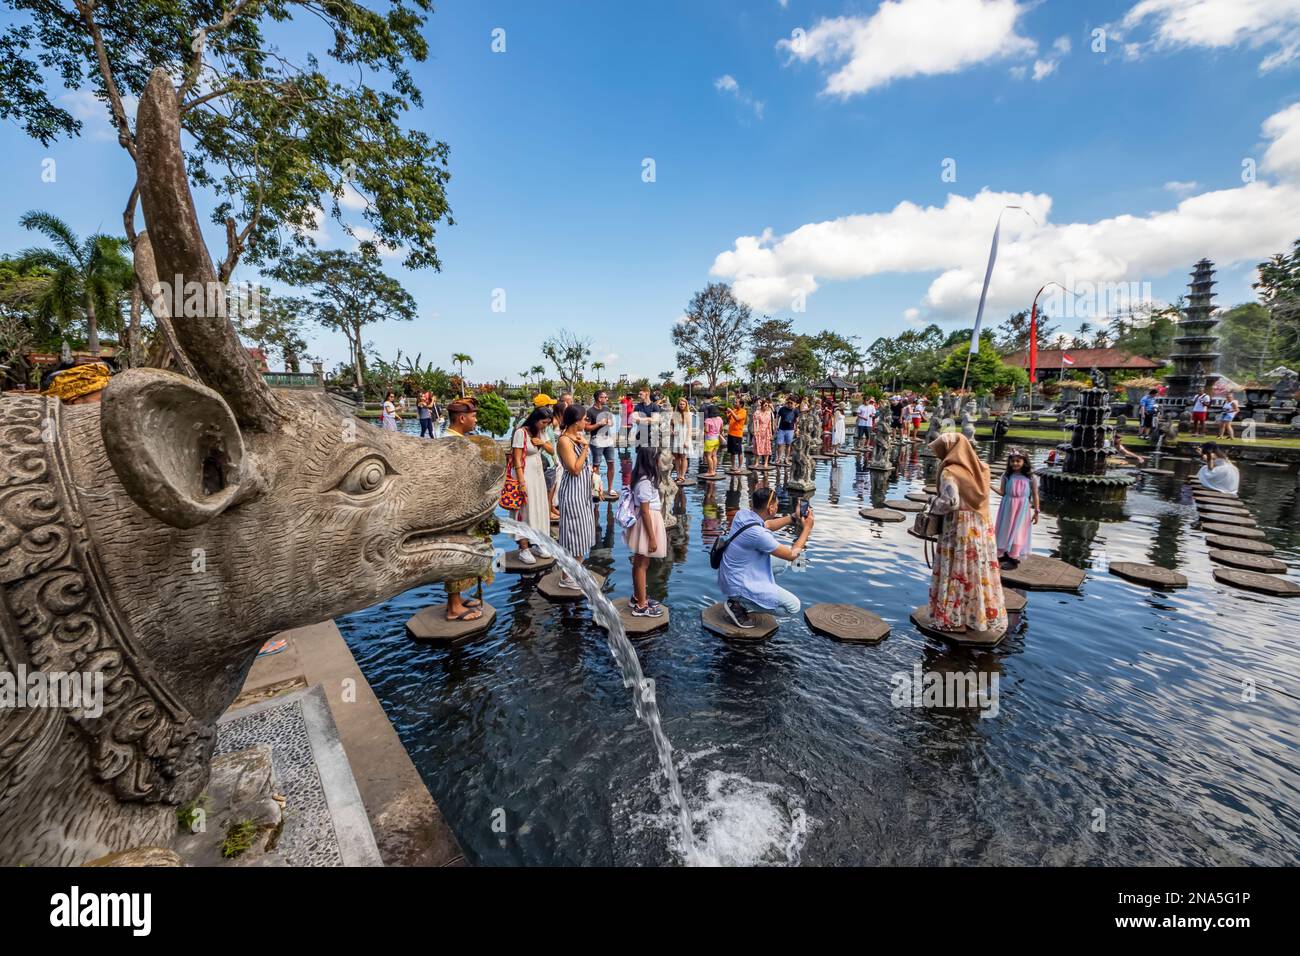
[[155, 541]]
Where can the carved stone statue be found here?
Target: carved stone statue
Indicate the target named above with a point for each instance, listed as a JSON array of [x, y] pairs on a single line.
[[807, 442], [667, 487], [154, 541], [880, 442]]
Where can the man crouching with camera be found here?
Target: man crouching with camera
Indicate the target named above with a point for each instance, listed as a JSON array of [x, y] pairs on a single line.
[[745, 570]]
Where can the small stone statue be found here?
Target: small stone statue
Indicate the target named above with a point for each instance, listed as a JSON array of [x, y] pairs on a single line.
[[880, 446], [932, 432], [807, 440], [667, 487]]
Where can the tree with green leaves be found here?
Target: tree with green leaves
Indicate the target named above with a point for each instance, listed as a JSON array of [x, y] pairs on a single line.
[[1279, 292], [568, 353], [88, 277], [1013, 334], [277, 324], [986, 368], [493, 413], [460, 360], [350, 290], [713, 332], [771, 341]]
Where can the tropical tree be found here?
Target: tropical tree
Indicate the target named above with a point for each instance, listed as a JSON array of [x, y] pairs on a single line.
[[350, 291], [277, 325], [460, 359], [568, 353], [538, 372], [598, 367], [714, 330], [88, 276], [493, 413]]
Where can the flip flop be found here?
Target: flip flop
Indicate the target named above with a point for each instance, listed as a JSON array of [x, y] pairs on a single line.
[[472, 602], [467, 615]]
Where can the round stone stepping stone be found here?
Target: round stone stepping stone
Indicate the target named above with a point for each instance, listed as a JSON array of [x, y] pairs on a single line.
[[1249, 562], [1241, 521], [1157, 471], [1236, 530], [901, 504], [738, 474], [921, 618], [713, 477], [1040, 573], [920, 496], [515, 566], [634, 625], [1013, 600], [931, 489], [1206, 494], [431, 626], [714, 617], [684, 483], [1254, 581], [551, 590], [1150, 574], [1271, 464], [1221, 508], [844, 622], [882, 514], [1228, 543]]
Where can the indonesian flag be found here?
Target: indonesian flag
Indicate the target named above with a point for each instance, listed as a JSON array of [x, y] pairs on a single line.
[[1066, 360]]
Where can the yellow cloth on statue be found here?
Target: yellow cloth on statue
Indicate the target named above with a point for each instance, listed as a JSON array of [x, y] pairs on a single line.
[[78, 381]]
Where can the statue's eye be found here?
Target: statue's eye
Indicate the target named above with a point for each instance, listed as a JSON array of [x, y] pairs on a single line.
[[365, 477]]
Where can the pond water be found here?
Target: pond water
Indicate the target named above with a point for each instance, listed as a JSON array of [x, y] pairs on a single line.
[[1120, 737]]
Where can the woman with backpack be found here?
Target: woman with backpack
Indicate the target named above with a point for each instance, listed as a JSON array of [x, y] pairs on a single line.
[[645, 535]]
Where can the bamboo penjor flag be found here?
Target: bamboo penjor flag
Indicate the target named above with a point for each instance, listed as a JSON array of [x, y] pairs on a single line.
[[988, 274]]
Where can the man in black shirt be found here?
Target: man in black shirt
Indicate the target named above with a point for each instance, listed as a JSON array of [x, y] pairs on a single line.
[[642, 413], [786, 417]]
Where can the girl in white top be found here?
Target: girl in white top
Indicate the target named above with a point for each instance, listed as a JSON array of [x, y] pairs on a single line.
[[526, 460], [647, 538], [389, 418], [681, 438]]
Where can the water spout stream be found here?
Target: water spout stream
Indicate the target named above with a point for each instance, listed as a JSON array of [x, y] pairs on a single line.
[[642, 687]]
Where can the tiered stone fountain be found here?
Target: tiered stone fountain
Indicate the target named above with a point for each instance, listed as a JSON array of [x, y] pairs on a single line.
[[1195, 358], [1082, 475]]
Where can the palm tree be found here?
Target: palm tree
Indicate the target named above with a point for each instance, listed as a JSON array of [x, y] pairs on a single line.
[[461, 359], [89, 276], [598, 367], [690, 371], [538, 371]]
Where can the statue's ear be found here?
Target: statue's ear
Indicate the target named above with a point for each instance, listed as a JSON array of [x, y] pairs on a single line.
[[175, 446]]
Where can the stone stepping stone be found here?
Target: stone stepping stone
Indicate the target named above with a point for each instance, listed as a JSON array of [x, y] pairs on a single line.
[[1221, 508], [514, 566], [931, 489], [1200, 493], [1040, 573], [713, 477], [920, 496], [686, 482], [431, 626], [1157, 471], [1225, 542], [550, 588], [714, 617], [921, 618], [1149, 574], [1235, 530], [1270, 464], [882, 514], [900, 504], [1254, 581], [738, 474], [1013, 600], [1249, 562], [847, 623], [636, 626], [1240, 521]]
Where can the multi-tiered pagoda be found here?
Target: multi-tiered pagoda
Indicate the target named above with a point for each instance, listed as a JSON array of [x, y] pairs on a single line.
[[1195, 357]]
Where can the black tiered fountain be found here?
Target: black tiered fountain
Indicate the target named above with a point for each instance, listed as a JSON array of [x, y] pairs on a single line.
[[1082, 476], [1195, 357]]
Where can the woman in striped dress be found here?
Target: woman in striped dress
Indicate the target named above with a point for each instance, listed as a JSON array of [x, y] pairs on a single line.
[[573, 493]]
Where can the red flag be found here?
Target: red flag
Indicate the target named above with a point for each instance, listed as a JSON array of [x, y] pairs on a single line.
[[1033, 339], [1066, 360]]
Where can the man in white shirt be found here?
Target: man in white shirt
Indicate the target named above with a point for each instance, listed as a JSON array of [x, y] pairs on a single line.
[[864, 421], [1200, 412], [601, 425]]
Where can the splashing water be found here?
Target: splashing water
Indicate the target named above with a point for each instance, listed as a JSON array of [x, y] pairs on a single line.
[[642, 687]]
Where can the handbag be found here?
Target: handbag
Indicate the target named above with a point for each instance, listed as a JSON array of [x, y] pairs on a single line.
[[513, 497], [928, 526]]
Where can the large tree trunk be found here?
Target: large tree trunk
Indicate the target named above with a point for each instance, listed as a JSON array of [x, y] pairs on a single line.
[[359, 358], [133, 350], [92, 328]]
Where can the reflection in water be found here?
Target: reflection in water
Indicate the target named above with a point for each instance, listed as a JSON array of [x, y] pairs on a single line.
[[1117, 696]]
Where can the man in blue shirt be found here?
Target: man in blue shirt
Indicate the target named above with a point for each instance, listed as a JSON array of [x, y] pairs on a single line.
[[1148, 405], [745, 574], [786, 416]]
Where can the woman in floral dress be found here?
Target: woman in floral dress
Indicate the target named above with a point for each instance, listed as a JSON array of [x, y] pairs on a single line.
[[763, 434], [966, 588]]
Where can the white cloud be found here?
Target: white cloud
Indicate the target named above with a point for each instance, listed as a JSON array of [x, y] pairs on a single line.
[[1231, 226], [1062, 45], [727, 84], [901, 40], [351, 199], [1214, 24], [1043, 68], [610, 359], [365, 234], [1182, 188], [1282, 158], [95, 114], [1019, 72]]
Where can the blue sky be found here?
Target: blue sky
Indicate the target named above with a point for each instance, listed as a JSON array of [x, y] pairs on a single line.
[[818, 140]]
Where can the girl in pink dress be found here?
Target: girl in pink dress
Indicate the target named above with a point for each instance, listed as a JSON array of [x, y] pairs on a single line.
[[1018, 511], [763, 434]]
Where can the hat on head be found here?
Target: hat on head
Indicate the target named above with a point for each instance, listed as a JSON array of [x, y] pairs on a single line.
[[542, 400], [462, 405]]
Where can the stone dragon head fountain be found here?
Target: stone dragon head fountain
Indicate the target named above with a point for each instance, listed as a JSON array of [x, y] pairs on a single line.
[[155, 540]]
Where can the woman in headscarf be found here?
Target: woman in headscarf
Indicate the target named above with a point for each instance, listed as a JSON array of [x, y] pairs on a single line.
[[966, 588]]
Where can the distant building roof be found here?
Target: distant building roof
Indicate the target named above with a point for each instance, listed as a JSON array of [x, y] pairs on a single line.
[[1084, 359]]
